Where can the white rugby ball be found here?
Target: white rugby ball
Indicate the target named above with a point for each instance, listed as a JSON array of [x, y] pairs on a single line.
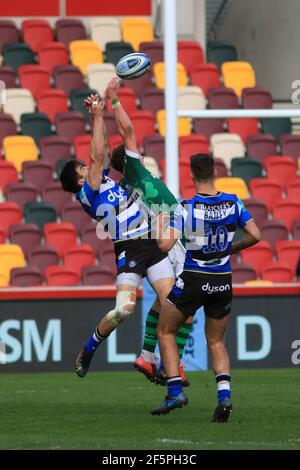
[[133, 65]]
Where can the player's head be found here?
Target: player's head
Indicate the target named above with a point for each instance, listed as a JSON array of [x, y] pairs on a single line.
[[202, 167], [117, 158], [73, 176]]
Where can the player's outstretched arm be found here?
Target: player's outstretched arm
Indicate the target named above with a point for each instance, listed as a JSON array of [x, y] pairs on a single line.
[[251, 237]]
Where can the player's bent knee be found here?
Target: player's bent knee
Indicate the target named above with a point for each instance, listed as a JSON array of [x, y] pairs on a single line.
[[124, 307]]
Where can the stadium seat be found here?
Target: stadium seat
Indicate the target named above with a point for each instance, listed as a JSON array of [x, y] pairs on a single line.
[[59, 165], [26, 277], [8, 174], [293, 190], [78, 256], [267, 190], [278, 272], [104, 30], [107, 260], [115, 50], [36, 33], [97, 276], [37, 173], [7, 75], [74, 214], [259, 283], [99, 75], [144, 125], [190, 97], [152, 99], [35, 78], [2, 235], [256, 98], [258, 209], [69, 125], [242, 272], [127, 98], [246, 168], [54, 148], [83, 53], [154, 49], [136, 30], [89, 235], [287, 211], [222, 98], [232, 185], [290, 145], [190, 54], [7, 126], [51, 102], [39, 213], [10, 213], [244, 127], [238, 75], [68, 78], [42, 256], [11, 256], [110, 123], [77, 98], [227, 147], [61, 276], [68, 30], [184, 124], [35, 125], [221, 168], [27, 236], [21, 193], [152, 166], [8, 32], [114, 141], [208, 127], [205, 76], [274, 230], [154, 145], [296, 229], [192, 144], [288, 251], [17, 54], [159, 71], [60, 235], [260, 146], [18, 149], [188, 190], [282, 169], [56, 196], [140, 85], [276, 126], [18, 101], [82, 147], [258, 256], [219, 52], [52, 54]]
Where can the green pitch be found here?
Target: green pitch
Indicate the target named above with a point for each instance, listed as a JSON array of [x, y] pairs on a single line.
[[110, 411]]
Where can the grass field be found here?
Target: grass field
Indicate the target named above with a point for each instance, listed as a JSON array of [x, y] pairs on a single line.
[[110, 411]]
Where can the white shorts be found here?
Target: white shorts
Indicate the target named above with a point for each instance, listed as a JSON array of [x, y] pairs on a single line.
[[161, 270], [177, 257]]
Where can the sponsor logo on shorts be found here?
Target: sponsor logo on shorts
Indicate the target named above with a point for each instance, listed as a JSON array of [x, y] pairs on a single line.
[[132, 264], [213, 289], [180, 283]]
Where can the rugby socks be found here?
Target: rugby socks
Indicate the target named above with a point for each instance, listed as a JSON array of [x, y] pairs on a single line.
[[150, 338], [95, 340], [223, 384], [174, 385], [182, 336]]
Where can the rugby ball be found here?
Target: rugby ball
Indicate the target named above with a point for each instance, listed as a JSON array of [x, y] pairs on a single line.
[[133, 65]]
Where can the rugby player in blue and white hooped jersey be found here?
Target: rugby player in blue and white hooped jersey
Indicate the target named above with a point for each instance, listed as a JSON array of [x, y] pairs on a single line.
[[137, 254], [208, 222]]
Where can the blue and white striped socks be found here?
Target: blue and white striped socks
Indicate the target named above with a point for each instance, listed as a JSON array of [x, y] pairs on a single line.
[[174, 385], [95, 340], [223, 384]]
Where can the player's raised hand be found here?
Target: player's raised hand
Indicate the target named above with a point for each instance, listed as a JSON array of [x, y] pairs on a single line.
[[94, 105], [111, 91]]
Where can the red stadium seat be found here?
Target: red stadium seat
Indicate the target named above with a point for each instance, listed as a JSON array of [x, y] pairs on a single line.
[[293, 190], [97, 276], [70, 125], [114, 141], [192, 144], [92, 234], [278, 272], [205, 76], [52, 102], [8, 174], [42, 256], [290, 145], [2, 235], [74, 213], [38, 173], [244, 127], [56, 196], [54, 148], [184, 177], [261, 146], [36, 33], [107, 259], [274, 230], [242, 272], [21, 193], [61, 276], [208, 127], [221, 168], [190, 54], [52, 54], [288, 251], [8, 32], [26, 277], [60, 236], [258, 256], [7, 75], [188, 190], [287, 211], [282, 169], [82, 148], [296, 229], [267, 190], [68, 30], [10, 213], [68, 78], [78, 256], [127, 98], [7, 127], [256, 98], [222, 98], [35, 78], [110, 123], [257, 209], [144, 125], [154, 146], [153, 99], [140, 85], [154, 49], [27, 236]]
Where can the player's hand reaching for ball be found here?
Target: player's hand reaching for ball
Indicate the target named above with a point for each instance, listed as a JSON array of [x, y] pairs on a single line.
[[111, 91], [94, 105]]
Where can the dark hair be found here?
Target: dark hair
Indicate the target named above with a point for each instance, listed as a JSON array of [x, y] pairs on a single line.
[[117, 158], [69, 177], [202, 166]]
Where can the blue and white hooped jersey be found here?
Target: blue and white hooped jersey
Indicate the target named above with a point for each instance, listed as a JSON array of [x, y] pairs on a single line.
[[208, 224], [111, 205]]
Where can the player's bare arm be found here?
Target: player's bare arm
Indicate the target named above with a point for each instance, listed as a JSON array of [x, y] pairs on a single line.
[[166, 235], [251, 237]]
